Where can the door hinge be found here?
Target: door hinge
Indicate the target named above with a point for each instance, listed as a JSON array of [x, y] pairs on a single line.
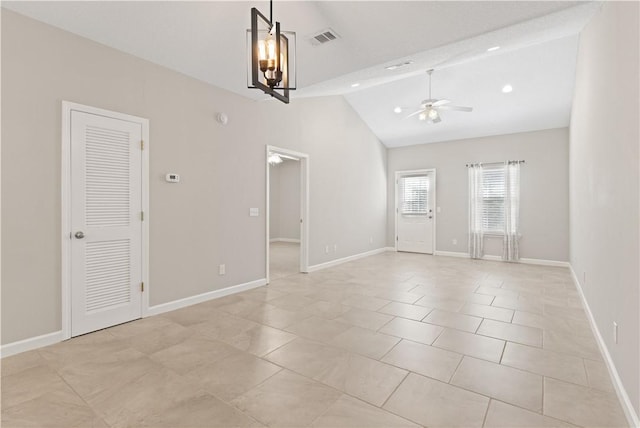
[[141, 215], [396, 237], [141, 144], [142, 287]]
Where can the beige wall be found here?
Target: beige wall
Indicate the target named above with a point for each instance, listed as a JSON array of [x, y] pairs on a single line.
[[284, 202], [605, 217], [544, 189], [195, 225]]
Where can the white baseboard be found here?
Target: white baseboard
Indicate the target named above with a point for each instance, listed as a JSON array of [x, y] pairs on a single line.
[[625, 401], [526, 261], [30, 344], [295, 241], [55, 337], [346, 259], [390, 249], [199, 298]]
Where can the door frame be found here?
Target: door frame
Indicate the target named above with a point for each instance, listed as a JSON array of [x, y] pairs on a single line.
[[396, 196], [65, 237], [304, 206]]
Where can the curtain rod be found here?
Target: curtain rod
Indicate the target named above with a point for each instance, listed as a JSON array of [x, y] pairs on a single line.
[[490, 163]]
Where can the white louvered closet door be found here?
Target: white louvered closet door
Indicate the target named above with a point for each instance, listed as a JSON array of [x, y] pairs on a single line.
[[106, 224]]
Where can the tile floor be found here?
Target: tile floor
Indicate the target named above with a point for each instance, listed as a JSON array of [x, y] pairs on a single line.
[[393, 340], [284, 259]]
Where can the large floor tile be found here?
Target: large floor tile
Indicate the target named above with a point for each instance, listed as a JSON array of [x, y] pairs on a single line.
[[192, 353], [501, 382], [276, 317], [442, 303], [365, 302], [598, 375], [399, 296], [453, 320], [349, 412], [485, 311], [404, 310], [362, 377], [572, 343], [307, 357], [436, 404], [259, 339], [545, 362], [317, 328], [201, 411], [426, 360], [581, 405], [365, 319], [413, 330], [474, 345], [512, 332], [287, 400], [233, 375], [503, 415], [365, 342], [59, 409], [17, 363]]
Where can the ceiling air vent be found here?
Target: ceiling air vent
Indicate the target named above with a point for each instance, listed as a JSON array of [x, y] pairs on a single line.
[[323, 37]]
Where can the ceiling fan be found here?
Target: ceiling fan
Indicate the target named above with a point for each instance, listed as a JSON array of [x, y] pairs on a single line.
[[430, 108]]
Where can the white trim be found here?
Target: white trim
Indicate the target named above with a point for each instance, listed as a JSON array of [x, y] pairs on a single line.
[[58, 336], [199, 298], [435, 203], [336, 262], [451, 254], [30, 344], [391, 249], [304, 206], [67, 108], [294, 241], [526, 261], [625, 401]]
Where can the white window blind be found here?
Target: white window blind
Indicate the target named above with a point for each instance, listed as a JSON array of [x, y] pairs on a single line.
[[415, 194], [493, 192]]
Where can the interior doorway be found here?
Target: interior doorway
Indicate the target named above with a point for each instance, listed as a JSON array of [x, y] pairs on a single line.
[[287, 208], [416, 211]]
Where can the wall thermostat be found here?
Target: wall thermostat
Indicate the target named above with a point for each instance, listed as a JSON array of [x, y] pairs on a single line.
[[172, 178]]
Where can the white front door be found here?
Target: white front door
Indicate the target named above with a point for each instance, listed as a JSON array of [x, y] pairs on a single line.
[[105, 221], [415, 193]]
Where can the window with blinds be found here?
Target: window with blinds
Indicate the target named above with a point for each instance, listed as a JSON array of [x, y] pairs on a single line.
[[493, 191], [415, 194]]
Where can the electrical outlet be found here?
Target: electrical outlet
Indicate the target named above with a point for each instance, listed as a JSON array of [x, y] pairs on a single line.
[[221, 270], [326, 249], [371, 240], [615, 332], [438, 209], [455, 241], [335, 248]]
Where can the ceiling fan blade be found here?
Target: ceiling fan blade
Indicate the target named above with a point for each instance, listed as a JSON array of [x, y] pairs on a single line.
[[441, 103], [415, 113], [456, 108]]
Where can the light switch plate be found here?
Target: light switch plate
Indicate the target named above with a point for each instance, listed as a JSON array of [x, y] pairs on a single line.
[[254, 212]]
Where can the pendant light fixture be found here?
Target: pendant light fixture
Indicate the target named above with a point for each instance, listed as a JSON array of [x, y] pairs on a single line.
[[271, 56]]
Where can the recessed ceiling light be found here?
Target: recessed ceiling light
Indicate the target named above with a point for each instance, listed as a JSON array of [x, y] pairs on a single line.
[[507, 88], [495, 48], [400, 64], [355, 85], [397, 110]]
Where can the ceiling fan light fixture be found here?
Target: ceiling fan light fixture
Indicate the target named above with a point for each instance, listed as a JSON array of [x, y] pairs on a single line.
[[433, 114], [422, 116]]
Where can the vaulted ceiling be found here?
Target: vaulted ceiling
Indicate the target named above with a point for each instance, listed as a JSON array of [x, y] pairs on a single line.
[[207, 40]]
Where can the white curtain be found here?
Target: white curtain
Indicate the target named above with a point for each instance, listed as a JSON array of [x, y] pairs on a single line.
[[510, 251], [476, 236]]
